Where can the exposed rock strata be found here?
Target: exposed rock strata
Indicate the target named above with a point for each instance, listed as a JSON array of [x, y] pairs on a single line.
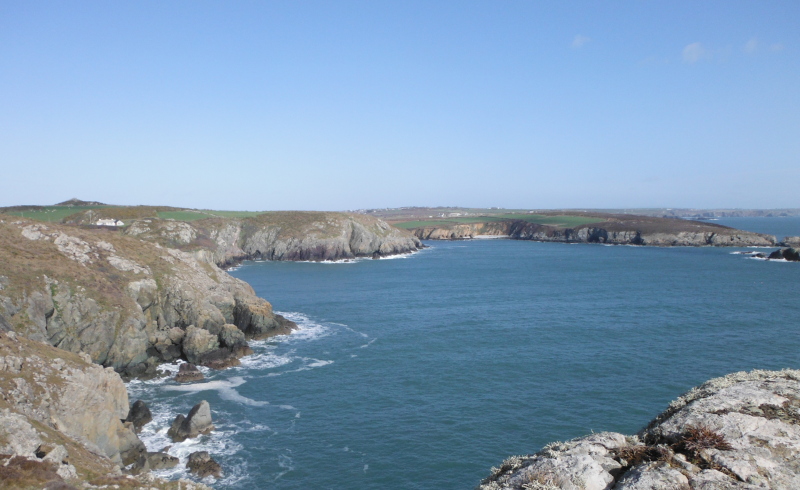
[[619, 231], [60, 421], [127, 303], [738, 431], [279, 236]]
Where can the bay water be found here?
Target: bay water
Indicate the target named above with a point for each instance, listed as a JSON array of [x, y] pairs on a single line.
[[424, 371]]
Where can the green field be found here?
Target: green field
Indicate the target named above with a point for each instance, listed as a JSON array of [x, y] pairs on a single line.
[[561, 221], [192, 215]]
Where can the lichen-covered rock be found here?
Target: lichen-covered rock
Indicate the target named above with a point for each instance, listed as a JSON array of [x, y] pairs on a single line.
[[197, 343], [202, 464], [741, 431], [154, 461], [196, 423]]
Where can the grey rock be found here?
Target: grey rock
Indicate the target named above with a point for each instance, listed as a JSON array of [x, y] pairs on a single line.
[[188, 373], [653, 476], [152, 461], [197, 343], [196, 423], [202, 464], [18, 434], [741, 431], [231, 337], [139, 415]]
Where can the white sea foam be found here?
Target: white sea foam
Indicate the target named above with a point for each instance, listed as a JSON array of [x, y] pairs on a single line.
[[368, 343], [490, 237], [306, 328], [315, 363]]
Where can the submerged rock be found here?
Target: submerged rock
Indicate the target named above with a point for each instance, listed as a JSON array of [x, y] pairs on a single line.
[[202, 464], [741, 431], [196, 423]]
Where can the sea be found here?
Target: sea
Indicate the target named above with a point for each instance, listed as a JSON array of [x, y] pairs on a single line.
[[424, 371]]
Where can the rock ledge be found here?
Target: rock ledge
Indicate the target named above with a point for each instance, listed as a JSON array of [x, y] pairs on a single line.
[[738, 431]]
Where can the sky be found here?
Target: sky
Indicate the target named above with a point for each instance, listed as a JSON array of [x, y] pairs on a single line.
[[361, 104]]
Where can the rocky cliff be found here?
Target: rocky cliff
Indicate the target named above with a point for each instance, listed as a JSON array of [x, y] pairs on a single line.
[[738, 431], [61, 421], [612, 229], [126, 302], [285, 235]]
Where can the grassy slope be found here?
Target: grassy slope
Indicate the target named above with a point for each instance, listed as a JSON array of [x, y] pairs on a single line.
[[560, 221]]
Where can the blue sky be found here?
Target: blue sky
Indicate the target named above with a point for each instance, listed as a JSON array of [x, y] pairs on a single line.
[[346, 105]]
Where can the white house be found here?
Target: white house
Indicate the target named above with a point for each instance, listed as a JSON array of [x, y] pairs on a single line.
[[109, 222]]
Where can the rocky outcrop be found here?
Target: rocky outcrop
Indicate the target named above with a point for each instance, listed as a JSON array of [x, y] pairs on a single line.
[[153, 461], [610, 229], [279, 236], [739, 431], [196, 423], [139, 415], [188, 373], [61, 421], [202, 464], [790, 254], [125, 302], [791, 241]]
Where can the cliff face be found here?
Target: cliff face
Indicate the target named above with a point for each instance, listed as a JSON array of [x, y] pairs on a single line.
[[280, 236], [60, 420], [739, 431], [624, 230], [125, 302]]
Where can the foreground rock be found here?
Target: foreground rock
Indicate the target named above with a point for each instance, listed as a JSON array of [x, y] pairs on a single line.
[[790, 254], [202, 464], [61, 422], [127, 303], [196, 423], [739, 431]]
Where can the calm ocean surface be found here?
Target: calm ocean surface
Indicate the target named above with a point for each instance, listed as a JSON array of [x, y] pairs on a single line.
[[423, 372]]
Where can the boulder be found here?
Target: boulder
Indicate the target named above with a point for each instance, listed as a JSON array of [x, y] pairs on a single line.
[[231, 337], [198, 342], [790, 254], [196, 423], [202, 464], [154, 461], [188, 373], [139, 415]]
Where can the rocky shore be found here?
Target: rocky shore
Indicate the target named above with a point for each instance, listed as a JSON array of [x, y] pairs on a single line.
[[295, 235], [127, 303], [738, 431], [63, 422], [80, 306], [610, 229]]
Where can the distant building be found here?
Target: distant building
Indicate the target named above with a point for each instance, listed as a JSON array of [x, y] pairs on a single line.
[[109, 222]]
